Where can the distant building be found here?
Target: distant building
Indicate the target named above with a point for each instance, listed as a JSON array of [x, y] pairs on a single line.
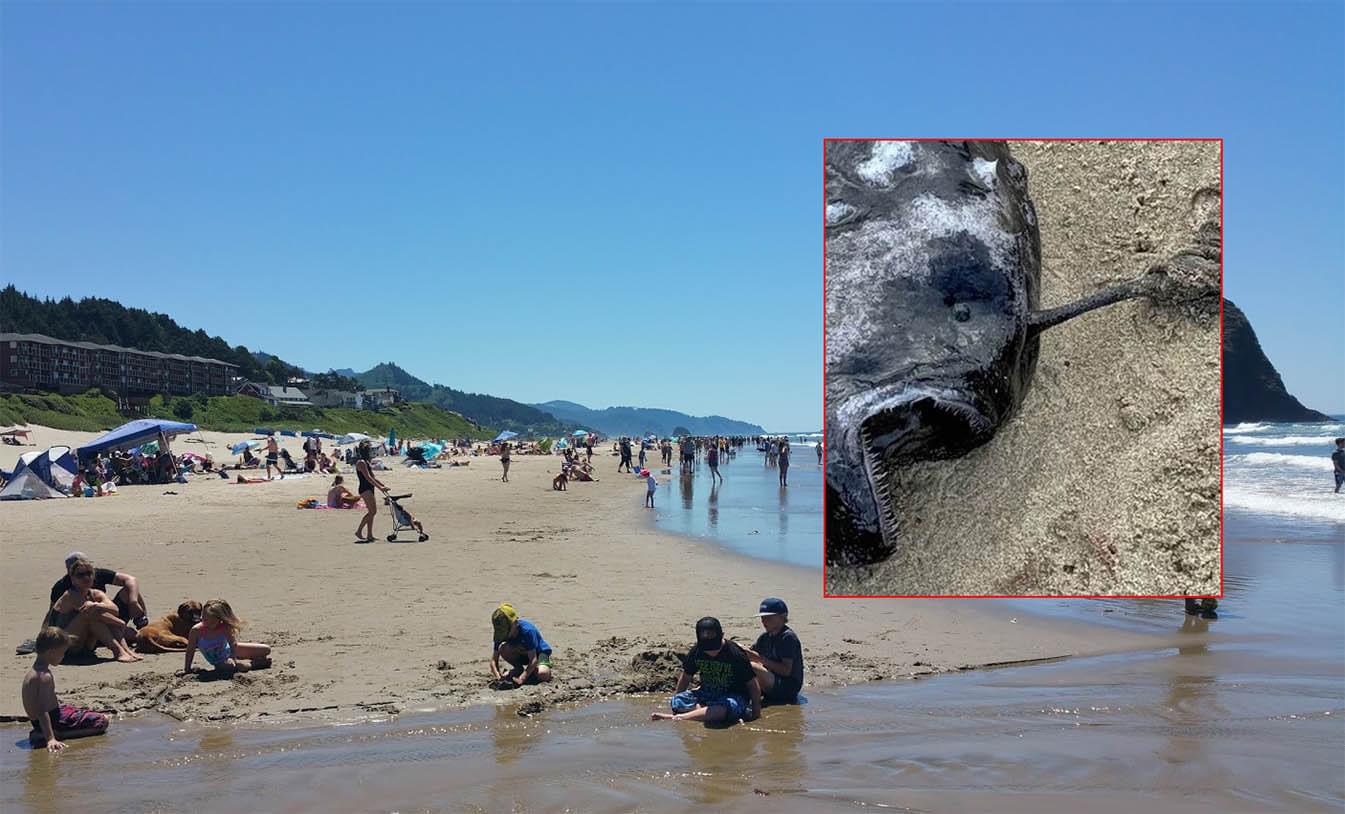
[[283, 396], [256, 390], [37, 362], [335, 398], [382, 397]]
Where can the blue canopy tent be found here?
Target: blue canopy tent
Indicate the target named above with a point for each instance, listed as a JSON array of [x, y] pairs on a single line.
[[133, 433], [506, 435]]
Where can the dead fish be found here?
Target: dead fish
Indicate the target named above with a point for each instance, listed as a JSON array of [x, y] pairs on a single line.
[[932, 322]]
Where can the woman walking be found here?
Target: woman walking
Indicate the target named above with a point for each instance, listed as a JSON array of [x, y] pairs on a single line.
[[366, 489]]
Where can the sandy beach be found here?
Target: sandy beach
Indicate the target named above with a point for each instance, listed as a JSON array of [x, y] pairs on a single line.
[[360, 630], [1107, 481]]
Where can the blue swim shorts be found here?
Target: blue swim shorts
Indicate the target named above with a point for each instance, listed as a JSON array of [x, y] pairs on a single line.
[[687, 701]]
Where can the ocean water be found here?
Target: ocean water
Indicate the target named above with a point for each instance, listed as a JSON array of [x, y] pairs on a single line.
[[750, 513], [1278, 482]]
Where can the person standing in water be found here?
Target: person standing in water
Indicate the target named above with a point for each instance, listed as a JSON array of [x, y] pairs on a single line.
[[784, 463], [712, 458], [1338, 462]]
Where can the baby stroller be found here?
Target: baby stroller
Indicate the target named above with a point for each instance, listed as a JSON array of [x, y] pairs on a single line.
[[402, 519]]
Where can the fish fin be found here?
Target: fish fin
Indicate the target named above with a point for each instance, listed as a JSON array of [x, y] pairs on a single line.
[[1038, 321]]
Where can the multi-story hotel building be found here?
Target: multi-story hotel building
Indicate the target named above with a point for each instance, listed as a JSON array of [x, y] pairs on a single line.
[[37, 362]]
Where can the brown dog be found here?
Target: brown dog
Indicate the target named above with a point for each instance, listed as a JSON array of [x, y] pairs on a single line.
[[169, 633], [558, 482]]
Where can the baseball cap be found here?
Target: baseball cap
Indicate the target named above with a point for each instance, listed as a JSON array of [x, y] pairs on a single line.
[[503, 620], [75, 555], [710, 625], [771, 606]]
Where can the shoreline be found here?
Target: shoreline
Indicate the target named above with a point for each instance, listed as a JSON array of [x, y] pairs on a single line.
[[615, 596]]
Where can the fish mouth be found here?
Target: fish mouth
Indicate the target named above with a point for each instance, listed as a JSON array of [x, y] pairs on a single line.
[[907, 428]]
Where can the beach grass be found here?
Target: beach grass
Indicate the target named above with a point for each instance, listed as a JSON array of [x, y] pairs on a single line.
[[92, 412]]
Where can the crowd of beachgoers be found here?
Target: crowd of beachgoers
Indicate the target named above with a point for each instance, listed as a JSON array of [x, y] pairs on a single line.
[[93, 607]]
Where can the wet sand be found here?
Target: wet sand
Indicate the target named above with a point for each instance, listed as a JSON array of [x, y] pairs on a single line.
[[371, 630], [1107, 481], [1241, 714]]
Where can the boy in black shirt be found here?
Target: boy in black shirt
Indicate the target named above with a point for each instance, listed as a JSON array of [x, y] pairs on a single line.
[[777, 657], [728, 690]]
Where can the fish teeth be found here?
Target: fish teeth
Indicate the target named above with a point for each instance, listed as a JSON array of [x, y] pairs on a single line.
[[880, 484]]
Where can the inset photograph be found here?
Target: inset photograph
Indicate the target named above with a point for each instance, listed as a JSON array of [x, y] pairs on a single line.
[[1022, 367]]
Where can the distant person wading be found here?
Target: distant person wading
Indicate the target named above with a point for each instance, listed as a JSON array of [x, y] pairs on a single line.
[[1338, 463]]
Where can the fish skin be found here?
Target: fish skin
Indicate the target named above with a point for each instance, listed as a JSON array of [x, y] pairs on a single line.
[[933, 271]]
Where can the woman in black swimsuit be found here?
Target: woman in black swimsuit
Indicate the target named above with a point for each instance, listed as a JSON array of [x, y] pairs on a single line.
[[366, 490]]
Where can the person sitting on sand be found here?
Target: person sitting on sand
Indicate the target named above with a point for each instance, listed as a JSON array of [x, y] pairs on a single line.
[[54, 722], [339, 497], [90, 617], [519, 643], [216, 636], [729, 689], [130, 602], [777, 657]]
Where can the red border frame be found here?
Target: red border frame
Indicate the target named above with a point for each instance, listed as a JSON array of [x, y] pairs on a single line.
[[1222, 252]]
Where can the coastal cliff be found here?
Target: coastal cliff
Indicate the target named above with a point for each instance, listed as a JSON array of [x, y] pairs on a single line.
[[1253, 390]]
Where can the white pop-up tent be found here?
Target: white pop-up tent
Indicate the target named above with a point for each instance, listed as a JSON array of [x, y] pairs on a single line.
[[50, 473]]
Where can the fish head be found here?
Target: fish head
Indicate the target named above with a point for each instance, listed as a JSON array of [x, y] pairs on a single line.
[[931, 271]]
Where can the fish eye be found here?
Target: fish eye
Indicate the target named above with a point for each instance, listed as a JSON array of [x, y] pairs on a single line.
[[962, 312]]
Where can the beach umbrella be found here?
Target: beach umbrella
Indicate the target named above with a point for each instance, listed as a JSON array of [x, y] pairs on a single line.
[[353, 438], [506, 435], [392, 437], [580, 433], [242, 445]]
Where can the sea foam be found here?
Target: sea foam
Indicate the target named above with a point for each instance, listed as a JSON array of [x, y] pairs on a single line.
[[1324, 506], [1283, 440], [1319, 464]]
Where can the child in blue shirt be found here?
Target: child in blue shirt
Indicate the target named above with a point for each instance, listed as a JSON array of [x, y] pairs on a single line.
[[519, 643]]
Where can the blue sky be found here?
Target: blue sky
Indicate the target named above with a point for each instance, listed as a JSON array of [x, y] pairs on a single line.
[[611, 204]]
